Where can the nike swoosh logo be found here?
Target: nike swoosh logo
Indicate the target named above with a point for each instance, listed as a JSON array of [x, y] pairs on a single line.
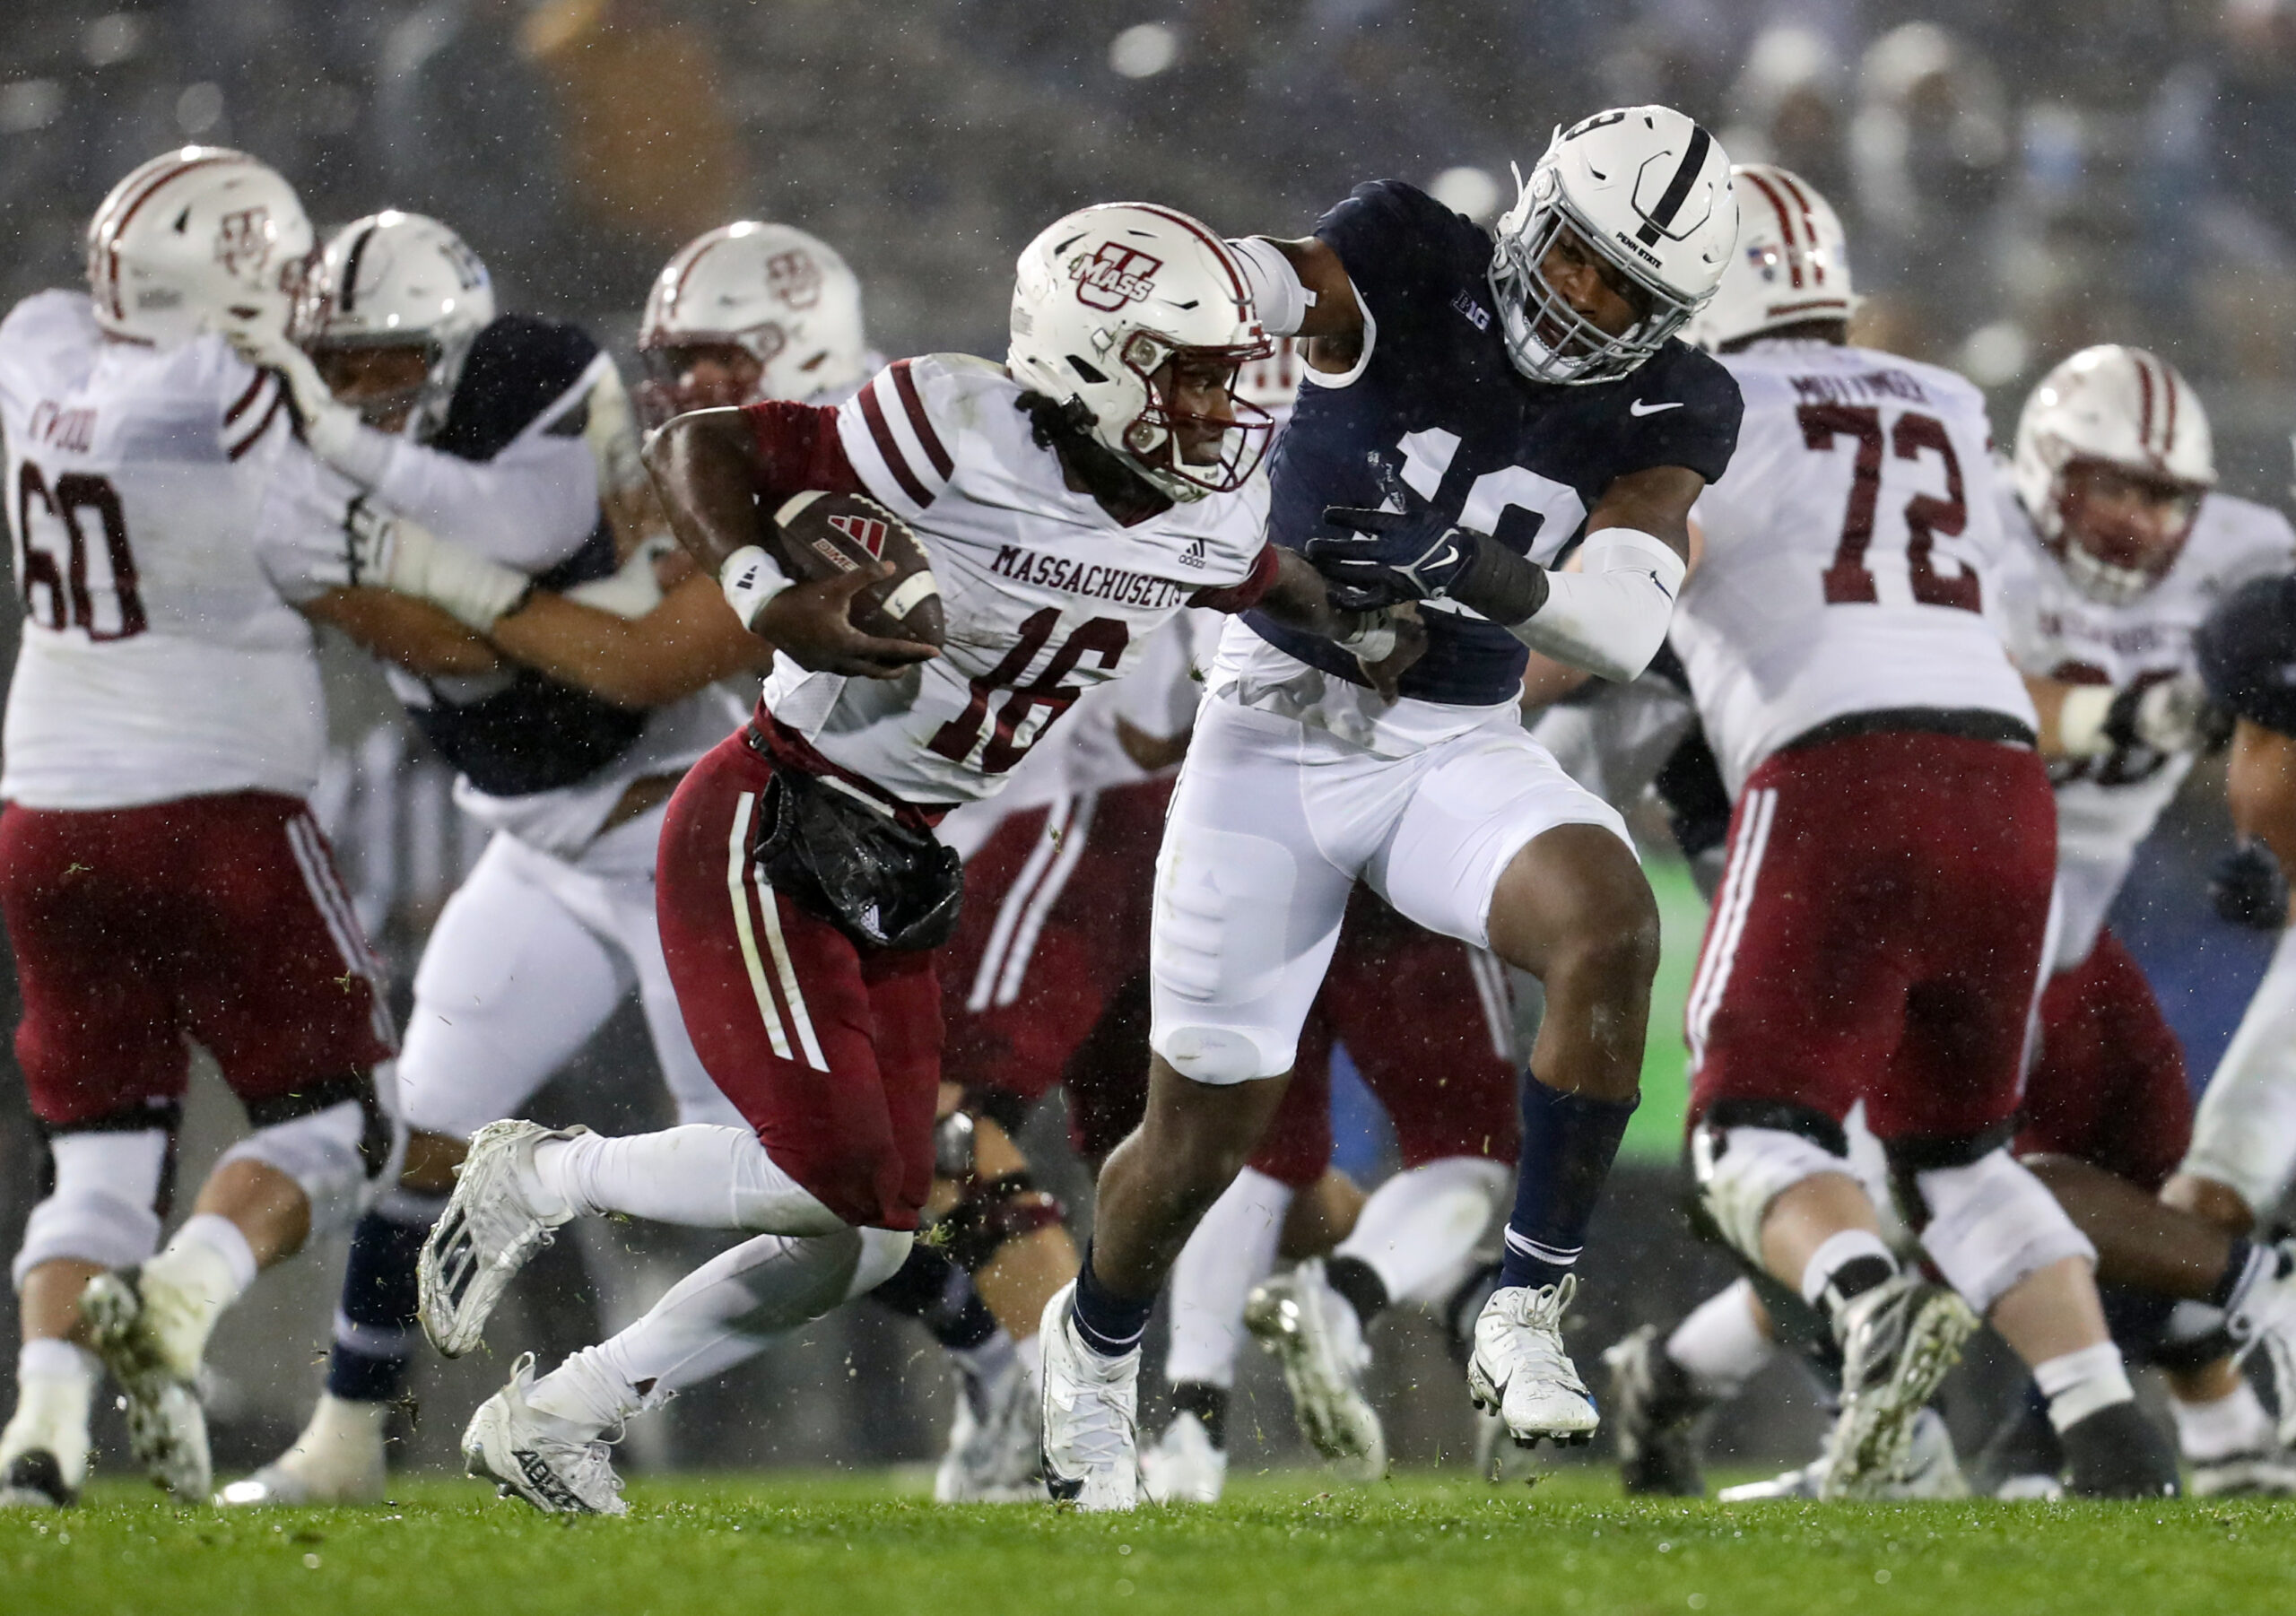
[[1638, 408], [1450, 553]]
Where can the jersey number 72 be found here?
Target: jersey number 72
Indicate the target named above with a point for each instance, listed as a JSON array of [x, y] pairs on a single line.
[[1849, 580]]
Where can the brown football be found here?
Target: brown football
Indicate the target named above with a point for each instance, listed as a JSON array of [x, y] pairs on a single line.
[[819, 535]]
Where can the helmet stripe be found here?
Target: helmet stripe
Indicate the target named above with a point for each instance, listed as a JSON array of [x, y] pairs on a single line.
[[1794, 253], [1809, 223], [1678, 187], [350, 262], [2168, 427], [1220, 252], [2145, 397]]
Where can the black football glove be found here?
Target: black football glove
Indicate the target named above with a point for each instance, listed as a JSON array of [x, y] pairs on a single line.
[[1395, 556], [2248, 888]]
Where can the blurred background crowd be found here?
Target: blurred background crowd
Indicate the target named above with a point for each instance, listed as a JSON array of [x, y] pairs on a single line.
[[2018, 180]]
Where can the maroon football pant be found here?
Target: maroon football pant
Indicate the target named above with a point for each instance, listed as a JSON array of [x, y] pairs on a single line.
[[2109, 1087]]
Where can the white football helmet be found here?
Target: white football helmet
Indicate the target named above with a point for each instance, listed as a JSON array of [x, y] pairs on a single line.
[[1102, 298], [395, 280], [2113, 456], [1791, 265], [786, 298], [1646, 189], [202, 239]]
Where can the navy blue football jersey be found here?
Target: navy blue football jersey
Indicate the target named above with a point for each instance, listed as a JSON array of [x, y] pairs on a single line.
[[2247, 651], [529, 733], [1437, 411]]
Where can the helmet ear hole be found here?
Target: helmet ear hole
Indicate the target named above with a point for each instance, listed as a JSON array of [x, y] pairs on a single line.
[[1089, 372]]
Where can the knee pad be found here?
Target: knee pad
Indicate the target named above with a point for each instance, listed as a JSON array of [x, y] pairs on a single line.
[[1742, 1169], [989, 1212], [1989, 1224], [336, 1147], [103, 1201]]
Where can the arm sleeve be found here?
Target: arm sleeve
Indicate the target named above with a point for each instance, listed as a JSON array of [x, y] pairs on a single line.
[[530, 507], [1243, 595], [797, 448]]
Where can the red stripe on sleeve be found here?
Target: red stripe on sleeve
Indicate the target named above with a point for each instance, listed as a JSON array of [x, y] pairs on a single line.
[[914, 404], [881, 431], [1242, 597], [797, 449]]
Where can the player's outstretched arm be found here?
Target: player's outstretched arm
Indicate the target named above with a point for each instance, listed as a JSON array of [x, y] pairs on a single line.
[[412, 633], [710, 468], [1386, 641], [691, 639]]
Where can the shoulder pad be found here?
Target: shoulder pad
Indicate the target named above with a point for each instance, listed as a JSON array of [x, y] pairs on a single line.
[[518, 367], [2247, 651]]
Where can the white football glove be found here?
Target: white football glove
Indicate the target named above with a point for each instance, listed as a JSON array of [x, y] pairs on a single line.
[[2172, 715], [332, 427], [384, 551]]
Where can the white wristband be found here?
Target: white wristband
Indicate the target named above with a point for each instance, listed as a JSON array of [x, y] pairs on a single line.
[[462, 583], [1610, 616], [751, 579], [2081, 721]]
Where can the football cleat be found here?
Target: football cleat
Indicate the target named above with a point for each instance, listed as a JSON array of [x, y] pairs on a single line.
[[34, 1479], [2265, 1321], [2118, 1452], [1183, 1466], [1931, 1472], [994, 1443], [338, 1459], [2245, 1475], [1316, 1337], [498, 1218], [528, 1454], [1654, 1409], [1519, 1368], [1899, 1341], [2023, 1461], [1092, 1420], [140, 1328]]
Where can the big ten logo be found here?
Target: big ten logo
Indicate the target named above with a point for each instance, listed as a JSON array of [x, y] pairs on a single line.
[[794, 278], [243, 240], [1113, 277]]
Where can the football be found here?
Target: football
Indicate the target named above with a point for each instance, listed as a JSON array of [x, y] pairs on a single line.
[[819, 535]]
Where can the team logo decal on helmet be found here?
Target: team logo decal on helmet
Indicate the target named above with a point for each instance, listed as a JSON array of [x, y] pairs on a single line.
[[795, 278], [1117, 311], [1114, 276], [243, 240]]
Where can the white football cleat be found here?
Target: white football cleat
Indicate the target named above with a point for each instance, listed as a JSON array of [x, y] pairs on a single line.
[[150, 1339], [2266, 1319], [535, 1455], [1519, 1367], [1899, 1341], [2244, 1475], [1315, 1335], [1091, 1417], [1183, 1466], [44, 1447], [338, 1459], [498, 1218], [994, 1443], [1931, 1472]]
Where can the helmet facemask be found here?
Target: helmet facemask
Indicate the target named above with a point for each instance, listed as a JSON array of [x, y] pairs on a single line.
[[2115, 530], [1548, 339], [1229, 444]]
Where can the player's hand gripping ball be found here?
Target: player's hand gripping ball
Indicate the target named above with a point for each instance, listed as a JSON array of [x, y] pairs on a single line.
[[817, 536]]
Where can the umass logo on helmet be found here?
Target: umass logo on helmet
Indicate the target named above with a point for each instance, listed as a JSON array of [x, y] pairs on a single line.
[[243, 240], [1114, 276]]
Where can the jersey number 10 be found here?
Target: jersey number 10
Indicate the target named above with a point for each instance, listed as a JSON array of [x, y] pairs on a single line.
[[1849, 581], [59, 572]]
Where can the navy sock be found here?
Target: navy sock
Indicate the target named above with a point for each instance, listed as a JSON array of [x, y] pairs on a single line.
[[1110, 1324], [375, 1326], [1568, 1142], [939, 1295]]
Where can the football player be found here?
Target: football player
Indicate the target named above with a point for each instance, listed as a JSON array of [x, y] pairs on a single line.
[[1873, 940], [161, 874], [1475, 404], [1070, 502]]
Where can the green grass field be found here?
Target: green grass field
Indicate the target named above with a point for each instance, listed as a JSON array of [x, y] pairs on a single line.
[[862, 1546]]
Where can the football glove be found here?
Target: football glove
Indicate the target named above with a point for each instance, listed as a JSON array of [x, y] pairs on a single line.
[[383, 551], [2248, 888], [1393, 557]]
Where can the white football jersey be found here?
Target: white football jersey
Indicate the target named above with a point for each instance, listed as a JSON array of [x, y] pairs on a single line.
[[159, 659], [1046, 595], [1849, 553], [2106, 805]]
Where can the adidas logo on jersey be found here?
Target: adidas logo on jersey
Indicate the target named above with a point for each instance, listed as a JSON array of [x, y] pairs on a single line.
[[1114, 276], [864, 530], [1193, 556]]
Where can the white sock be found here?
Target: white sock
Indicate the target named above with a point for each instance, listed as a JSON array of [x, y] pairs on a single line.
[[2235, 1423], [2078, 1384], [1031, 1350], [1721, 1345], [55, 1387], [1232, 1249], [1419, 1231], [210, 1265], [702, 1175], [1837, 1252], [724, 1311]]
